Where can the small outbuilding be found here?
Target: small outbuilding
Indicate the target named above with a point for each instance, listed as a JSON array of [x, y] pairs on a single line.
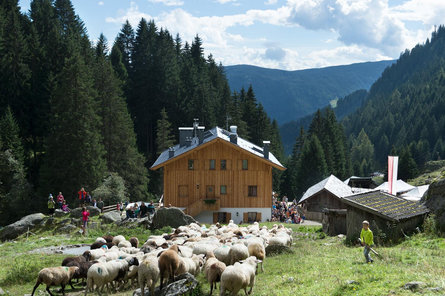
[[326, 194], [391, 217]]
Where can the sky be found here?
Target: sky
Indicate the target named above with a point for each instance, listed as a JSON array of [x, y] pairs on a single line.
[[280, 34]]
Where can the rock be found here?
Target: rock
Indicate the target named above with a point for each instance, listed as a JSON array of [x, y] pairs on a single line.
[[15, 229], [341, 236], [111, 217], [435, 289], [60, 213], [184, 285], [77, 212], [272, 250], [67, 228], [172, 217], [413, 286], [49, 221], [2, 292], [351, 282], [434, 200]]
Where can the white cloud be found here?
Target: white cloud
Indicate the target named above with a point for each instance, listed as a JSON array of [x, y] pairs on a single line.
[[224, 1], [100, 3], [168, 2], [271, 2], [365, 30]]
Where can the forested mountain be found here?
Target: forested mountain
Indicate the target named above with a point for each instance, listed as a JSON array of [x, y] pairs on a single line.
[[75, 114], [344, 106], [404, 112], [290, 95]]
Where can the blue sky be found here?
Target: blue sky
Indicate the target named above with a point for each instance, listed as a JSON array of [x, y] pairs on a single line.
[[282, 34]]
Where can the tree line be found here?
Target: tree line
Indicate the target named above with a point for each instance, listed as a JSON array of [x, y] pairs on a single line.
[[76, 114]]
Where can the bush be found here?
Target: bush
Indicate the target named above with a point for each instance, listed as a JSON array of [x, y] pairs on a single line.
[[430, 225], [112, 189]]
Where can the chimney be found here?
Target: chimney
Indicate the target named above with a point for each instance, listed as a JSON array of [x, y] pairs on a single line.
[[201, 134], [233, 135], [266, 149], [184, 132], [188, 141], [171, 152]]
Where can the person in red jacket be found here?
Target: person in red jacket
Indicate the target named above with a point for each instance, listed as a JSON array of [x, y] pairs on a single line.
[[85, 214], [82, 195]]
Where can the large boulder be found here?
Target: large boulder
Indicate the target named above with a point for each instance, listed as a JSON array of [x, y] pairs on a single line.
[[111, 217], [77, 212], [172, 217], [184, 284], [59, 213], [435, 202], [17, 228]]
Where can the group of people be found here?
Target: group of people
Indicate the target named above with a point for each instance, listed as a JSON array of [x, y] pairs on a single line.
[[59, 203], [286, 212], [136, 211]]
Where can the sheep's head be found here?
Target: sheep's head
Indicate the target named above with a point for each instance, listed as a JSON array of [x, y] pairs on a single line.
[[73, 271], [133, 261], [87, 255]]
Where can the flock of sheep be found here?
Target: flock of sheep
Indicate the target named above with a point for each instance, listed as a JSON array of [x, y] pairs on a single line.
[[227, 254]]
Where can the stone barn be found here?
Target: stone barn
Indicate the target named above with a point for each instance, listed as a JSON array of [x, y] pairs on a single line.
[[390, 217], [326, 194]]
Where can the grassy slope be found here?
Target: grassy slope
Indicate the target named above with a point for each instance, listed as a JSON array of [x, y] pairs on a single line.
[[319, 266], [432, 171]]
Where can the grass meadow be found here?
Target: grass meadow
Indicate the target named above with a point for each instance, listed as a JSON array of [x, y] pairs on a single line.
[[319, 265]]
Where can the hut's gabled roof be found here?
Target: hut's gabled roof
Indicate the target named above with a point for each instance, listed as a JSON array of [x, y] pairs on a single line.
[[217, 133], [331, 184], [386, 205]]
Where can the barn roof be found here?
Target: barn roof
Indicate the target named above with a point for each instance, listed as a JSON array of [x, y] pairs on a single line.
[[386, 205], [331, 184], [213, 134]]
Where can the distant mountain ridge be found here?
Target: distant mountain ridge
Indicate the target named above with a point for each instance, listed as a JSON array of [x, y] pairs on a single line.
[[290, 95]]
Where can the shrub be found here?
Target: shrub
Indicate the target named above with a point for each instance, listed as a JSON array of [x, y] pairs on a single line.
[[430, 225]]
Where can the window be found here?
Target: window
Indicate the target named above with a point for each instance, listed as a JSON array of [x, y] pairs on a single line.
[[191, 164], [223, 164], [212, 164], [183, 190], [223, 189], [252, 191], [251, 217], [245, 164]]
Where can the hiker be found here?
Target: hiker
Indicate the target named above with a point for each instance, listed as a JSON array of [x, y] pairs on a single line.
[[100, 204], [85, 214], [51, 205], [151, 208], [88, 199], [367, 240], [143, 210], [65, 207], [82, 195], [60, 200]]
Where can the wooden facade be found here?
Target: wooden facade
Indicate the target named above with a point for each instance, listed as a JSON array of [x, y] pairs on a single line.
[[218, 174], [320, 201]]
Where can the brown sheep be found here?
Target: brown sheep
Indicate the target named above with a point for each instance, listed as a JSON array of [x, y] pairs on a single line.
[[134, 242], [108, 238], [86, 256], [169, 263], [55, 276], [213, 268]]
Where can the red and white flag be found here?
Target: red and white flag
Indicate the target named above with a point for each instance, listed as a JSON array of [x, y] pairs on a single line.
[[393, 163]]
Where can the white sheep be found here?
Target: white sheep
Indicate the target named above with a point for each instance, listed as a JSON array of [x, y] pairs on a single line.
[[203, 248], [148, 274], [257, 249], [239, 276], [124, 244], [222, 254], [97, 253], [55, 276], [238, 252], [101, 274], [213, 268], [190, 265], [101, 240], [117, 239]]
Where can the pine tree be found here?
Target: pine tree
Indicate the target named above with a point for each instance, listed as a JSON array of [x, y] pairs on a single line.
[[164, 138], [75, 153], [10, 136], [119, 139], [118, 65], [362, 151], [125, 42], [312, 166]]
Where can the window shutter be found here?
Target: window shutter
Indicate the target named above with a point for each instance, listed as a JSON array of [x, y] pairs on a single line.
[[228, 217], [258, 216], [245, 217], [215, 217]]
